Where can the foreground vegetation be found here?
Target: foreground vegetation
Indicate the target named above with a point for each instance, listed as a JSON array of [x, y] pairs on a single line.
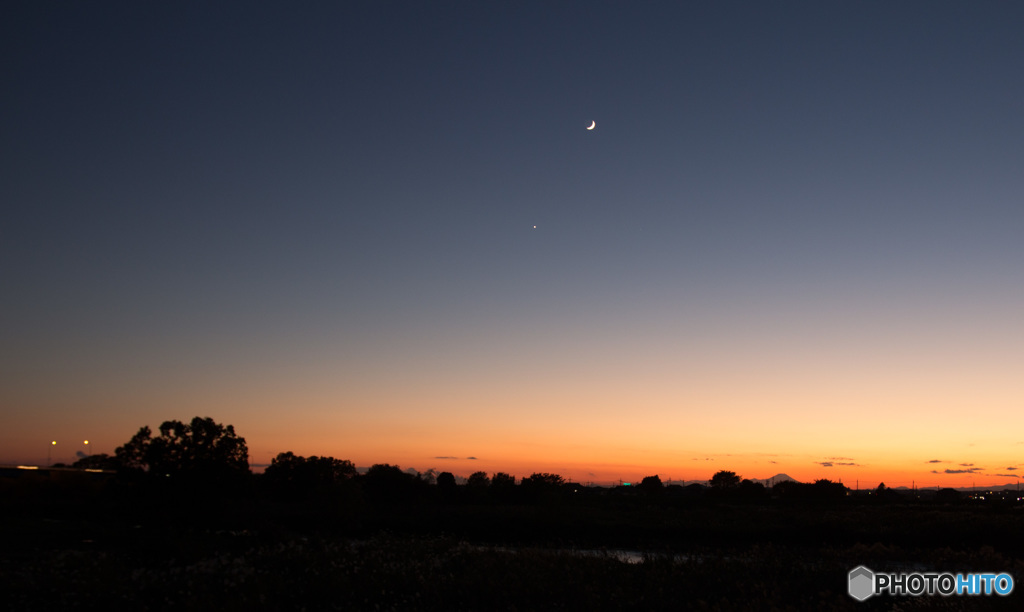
[[171, 528], [77, 544], [240, 571]]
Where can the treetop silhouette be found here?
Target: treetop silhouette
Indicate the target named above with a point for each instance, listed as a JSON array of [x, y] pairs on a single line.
[[199, 450]]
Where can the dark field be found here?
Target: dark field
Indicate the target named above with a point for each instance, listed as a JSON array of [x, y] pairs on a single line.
[[80, 544]]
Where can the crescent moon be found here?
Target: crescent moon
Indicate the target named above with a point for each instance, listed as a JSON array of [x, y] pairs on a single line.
[[593, 124]]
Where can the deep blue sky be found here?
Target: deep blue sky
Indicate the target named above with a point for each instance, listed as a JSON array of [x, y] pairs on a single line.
[[201, 198]]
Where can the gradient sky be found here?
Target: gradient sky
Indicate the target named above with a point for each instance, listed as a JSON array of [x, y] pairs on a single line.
[[793, 243]]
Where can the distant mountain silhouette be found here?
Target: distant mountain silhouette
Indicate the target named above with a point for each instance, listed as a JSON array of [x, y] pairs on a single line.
[[776, 479]]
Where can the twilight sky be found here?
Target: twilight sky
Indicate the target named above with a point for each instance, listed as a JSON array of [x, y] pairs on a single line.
[[793, 243]]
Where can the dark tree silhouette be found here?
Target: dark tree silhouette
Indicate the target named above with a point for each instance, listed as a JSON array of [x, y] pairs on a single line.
[[651, 486], [303, 472], [543, 480], [201, 450], [132, 456], [290, 477], [541, 486], [501, 480], [388, 483], [477, 486], [651, 482], [724, 480], [787, 489], [503, 487], [446, 485], [478, 480], [749, 489]]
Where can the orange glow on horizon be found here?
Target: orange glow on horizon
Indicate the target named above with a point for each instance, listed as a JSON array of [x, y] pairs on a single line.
[[592, 423]]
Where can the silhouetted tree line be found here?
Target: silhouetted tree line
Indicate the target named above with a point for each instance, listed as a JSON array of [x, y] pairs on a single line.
[[203, 452], [819, 490], [290, 476]]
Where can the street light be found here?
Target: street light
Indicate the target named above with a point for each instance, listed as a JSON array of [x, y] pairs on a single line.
[[48, 453]]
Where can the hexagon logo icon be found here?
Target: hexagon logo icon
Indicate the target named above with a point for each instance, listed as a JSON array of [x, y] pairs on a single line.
[[862, 582]]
